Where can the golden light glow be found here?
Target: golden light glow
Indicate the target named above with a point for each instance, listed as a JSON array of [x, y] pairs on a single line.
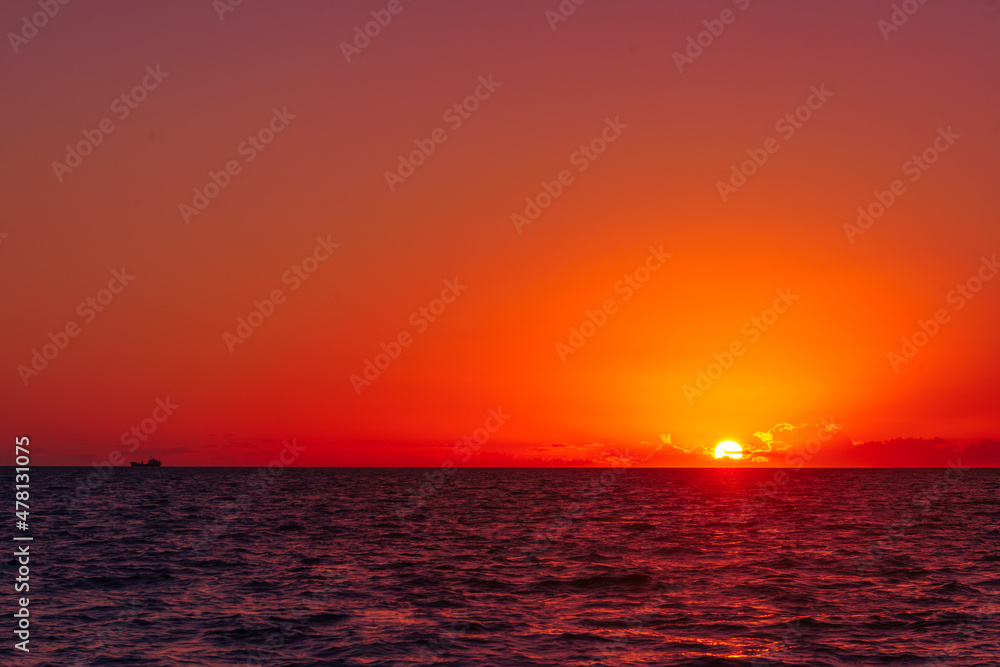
[[730, 449]]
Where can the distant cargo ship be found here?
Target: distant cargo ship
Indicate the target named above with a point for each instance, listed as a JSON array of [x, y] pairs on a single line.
[[152, 462]]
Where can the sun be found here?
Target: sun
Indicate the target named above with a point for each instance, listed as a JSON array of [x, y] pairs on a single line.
[[730, 449]]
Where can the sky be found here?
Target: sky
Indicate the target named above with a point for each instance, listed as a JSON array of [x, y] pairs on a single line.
[[493, 234]]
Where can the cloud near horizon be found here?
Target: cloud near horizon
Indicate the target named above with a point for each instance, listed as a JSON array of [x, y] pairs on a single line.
[[811, 445], [827, 445]]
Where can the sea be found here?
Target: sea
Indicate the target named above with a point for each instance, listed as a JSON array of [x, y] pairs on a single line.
[[510, 567]]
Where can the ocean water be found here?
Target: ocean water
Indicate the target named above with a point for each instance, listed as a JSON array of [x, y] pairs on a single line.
[[237, 566]]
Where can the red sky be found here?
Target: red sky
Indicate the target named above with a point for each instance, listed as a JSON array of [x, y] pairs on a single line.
[[668, 130]]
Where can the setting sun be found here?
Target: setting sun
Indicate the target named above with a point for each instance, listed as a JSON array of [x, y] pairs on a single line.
[[434, 310], [729, 448]]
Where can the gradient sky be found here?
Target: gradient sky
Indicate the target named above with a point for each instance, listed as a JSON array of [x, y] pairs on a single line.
[[495, 347]]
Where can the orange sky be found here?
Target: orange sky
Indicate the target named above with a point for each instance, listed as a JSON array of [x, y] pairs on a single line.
[[595, 112]]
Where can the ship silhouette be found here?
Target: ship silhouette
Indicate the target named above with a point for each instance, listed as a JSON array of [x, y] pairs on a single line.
[[152, 462]]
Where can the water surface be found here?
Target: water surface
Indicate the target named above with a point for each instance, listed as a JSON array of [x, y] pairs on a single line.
[[619, 567]]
